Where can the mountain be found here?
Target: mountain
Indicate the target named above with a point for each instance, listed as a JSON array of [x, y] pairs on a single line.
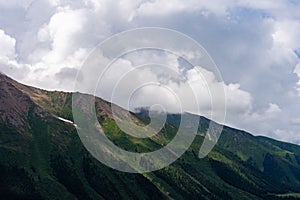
[[42, 157]]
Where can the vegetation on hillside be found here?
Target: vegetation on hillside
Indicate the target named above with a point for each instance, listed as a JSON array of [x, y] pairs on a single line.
[[42, 157]]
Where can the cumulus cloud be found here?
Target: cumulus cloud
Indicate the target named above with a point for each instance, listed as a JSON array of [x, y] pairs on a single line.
[[270, 113], [254, 44], [7, 46], [137, 81], [8, 56]]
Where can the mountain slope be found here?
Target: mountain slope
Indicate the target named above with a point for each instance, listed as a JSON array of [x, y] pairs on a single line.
[[42, 157]]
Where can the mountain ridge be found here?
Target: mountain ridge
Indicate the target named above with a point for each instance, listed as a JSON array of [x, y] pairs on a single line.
[[42, 157]]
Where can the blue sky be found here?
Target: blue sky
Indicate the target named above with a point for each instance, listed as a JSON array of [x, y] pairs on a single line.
[[254, 43]]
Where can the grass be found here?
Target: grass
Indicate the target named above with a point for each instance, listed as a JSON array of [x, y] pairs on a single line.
[[48, 161]]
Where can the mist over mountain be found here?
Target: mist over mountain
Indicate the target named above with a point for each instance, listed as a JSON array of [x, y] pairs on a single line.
[[42, 157]]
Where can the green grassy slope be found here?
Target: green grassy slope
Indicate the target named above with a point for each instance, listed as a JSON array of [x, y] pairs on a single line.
[[42, 157]]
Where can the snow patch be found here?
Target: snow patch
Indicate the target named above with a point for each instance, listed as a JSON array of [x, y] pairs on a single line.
[[67, 121]]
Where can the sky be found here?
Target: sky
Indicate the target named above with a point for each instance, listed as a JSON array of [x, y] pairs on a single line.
[[254, 43]]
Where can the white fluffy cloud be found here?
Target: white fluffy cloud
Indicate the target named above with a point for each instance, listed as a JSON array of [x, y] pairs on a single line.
[[8, 56], [137, 79], [7, 46], [269, 113], [255, 44]]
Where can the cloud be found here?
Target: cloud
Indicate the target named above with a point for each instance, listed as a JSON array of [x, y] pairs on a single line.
[[8, 62], [7, 46], [148, 77], [295, 122], [254, 44], [287, 136], [297, 71], [272, 110], [62, 31], [67, 74]]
